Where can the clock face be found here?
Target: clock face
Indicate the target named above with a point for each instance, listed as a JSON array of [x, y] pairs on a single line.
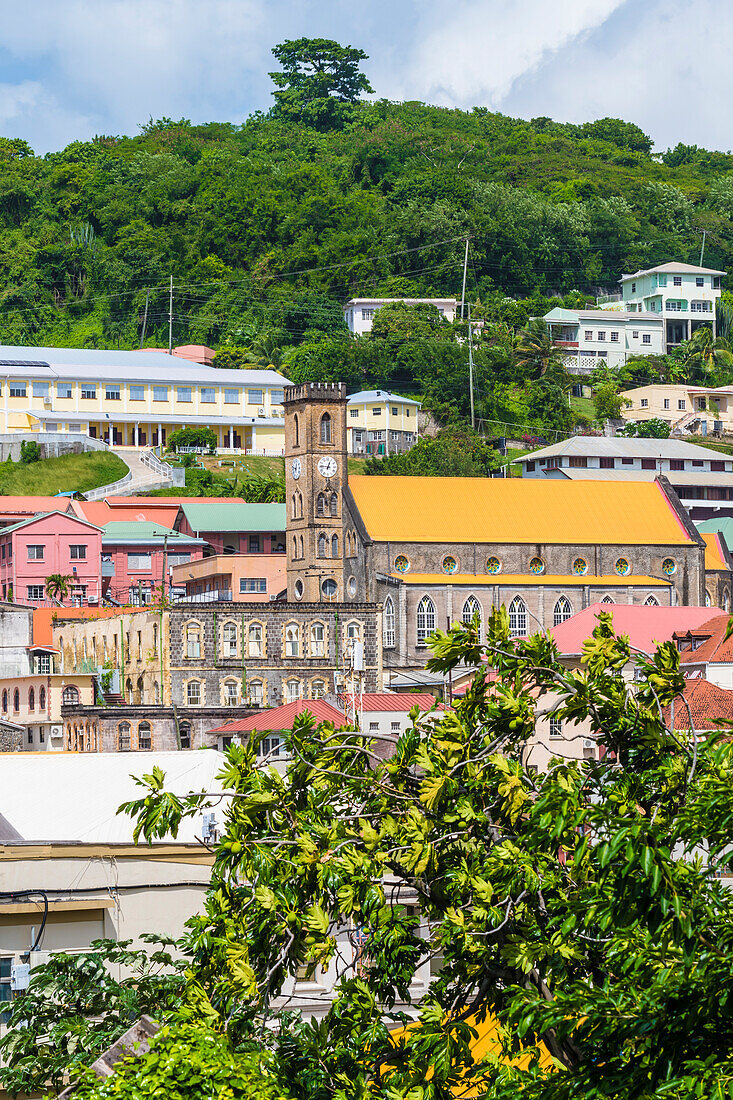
[[327, 466], [296, 468]]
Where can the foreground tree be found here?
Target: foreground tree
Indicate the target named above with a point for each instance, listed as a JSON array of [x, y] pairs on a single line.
[[582, 908], [708, 358]]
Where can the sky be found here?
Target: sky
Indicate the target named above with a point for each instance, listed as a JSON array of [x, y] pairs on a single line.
[[73, 69]]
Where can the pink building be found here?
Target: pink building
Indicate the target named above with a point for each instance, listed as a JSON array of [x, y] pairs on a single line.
[[235, 527], [136, 556], [54, 542]]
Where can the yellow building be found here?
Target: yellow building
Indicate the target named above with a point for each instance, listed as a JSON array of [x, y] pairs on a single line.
[[137, 398], [698, 409], [381, 423]]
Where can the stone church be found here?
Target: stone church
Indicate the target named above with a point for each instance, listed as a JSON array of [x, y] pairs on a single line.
[[432, 550]]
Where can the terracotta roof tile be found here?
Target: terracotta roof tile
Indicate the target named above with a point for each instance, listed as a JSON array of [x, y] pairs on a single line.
[[711, 642], [708, 703]]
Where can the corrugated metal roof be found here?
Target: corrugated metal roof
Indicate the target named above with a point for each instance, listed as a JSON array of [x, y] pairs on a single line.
[[10, 506], [645, 626], [281, 718], [724, 524], [41, 515], [380, 395], [391, 701], [516, 510], [677, 268], [204, 516], [144, 531], [603, 316], [129, 366], [593, 446], [705, 478], [714, 553], [565, 579]]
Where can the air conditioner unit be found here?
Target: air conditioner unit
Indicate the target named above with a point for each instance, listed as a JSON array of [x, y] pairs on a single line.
[[57, 731], [47, 403], [260, 412], [20, 976], [588, 743]]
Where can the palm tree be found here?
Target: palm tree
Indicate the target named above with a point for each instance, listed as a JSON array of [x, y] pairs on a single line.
[[536, 353], [58, 586], [708, 356]]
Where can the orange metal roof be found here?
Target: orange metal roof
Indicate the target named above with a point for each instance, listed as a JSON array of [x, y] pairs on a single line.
[[516, 510], [28, 506], [138, 508], [714, 553], [564, 579]]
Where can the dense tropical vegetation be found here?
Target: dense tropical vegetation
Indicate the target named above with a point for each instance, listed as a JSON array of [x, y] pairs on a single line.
[[269, 225]]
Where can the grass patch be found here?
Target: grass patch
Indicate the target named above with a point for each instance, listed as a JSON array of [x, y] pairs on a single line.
[[60, 475], [712, 445], [583, 406]]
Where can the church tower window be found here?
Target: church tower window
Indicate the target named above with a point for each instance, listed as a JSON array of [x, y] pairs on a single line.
[[326, 428]]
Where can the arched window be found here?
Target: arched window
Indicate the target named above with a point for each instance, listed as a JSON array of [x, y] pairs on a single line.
[[256, 692], [425, 619], [295, 547], [651, 601], [326, 428], [300, 505], [608, 599], [317, 640], [300, 554], [296, 431], [31, 699], [193, 693], [292, 640], [155, 637], [254, 640], [726, 600], [156, 692], [294, 507], [140, 691], [334, 504], [5, 700], [70, 695], [42, 698], [322, 544], [16, 700], [321, 504], [318, 689], [184, 734], [708, 600], [230, 693], [518, 618], [292, 691], [334, 546], [144, 737], [128, 690], [229, 640], [388, 623], [353, 632], [124, 743], [471, 609], [193, 640], [562, 611]]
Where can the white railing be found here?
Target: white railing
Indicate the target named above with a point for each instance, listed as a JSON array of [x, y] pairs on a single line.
[[602, 299], [109, 490], [157, 465]]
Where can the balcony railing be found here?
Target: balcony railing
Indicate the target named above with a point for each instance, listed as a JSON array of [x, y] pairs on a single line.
[[220, 595]]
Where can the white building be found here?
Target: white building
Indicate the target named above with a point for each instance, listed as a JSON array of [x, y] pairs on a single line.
[[683, 295], [359, 312], [592, 337], [381, 423], [387, 714]]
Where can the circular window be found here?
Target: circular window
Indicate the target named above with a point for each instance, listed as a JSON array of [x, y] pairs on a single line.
[[402, 564], [299, 589], [329, 587], [493, 565], [352, 586], [536, 566], [580, 567], [449, 564], [669, 566], [622, 567]]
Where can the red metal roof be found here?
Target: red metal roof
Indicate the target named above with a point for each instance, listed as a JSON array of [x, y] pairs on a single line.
[[646, 626], [281, 718], [708, 703], [392, 701], [29, 506]]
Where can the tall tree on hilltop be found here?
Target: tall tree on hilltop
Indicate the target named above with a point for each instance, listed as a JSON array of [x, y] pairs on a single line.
[[319, 78], [538, 356]]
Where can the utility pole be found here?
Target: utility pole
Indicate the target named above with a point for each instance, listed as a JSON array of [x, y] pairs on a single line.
[[470, 364], [702, 247], [170, 320], [465, 269], [145, 316]]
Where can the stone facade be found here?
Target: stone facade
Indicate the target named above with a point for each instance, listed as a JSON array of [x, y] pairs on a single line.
[[144, 728], [270, 653]]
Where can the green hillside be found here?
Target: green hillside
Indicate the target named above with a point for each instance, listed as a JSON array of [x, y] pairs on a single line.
[[61, 475]]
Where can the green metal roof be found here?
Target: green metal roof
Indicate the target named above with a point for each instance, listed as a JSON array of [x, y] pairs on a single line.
[[144, 531], [724, 524], [204, 516]]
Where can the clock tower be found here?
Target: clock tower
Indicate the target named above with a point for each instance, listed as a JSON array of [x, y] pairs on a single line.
[[316, 474]]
